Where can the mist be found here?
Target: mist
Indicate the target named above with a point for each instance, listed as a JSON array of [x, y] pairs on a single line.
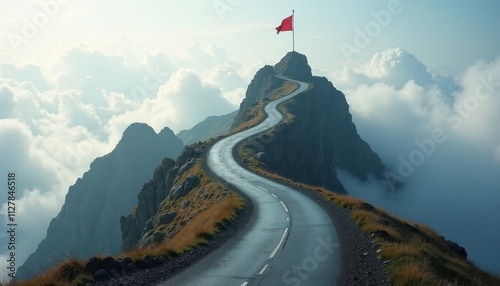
[[55, 120], [439, 144]]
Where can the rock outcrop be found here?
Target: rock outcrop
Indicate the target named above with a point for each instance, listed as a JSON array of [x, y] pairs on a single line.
[[263, 83], [320, 136], [88, 221], [167, 186]]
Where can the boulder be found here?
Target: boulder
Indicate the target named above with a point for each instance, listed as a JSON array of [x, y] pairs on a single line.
[[183, 188], [456, 248], [101, 274], [158, 237], [166, 218], [263, 157]]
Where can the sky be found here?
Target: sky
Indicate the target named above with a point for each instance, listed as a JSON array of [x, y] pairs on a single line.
[[421, 79]]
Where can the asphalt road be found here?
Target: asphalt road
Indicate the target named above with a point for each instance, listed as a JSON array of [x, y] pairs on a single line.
[[289, 240]]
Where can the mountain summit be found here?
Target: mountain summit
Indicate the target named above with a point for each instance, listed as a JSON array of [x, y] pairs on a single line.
[[318, 138]]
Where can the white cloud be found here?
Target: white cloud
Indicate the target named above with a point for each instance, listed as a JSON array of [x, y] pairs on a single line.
[[77, 113], [34, 211], [393, 67], [182, 102], [203, 58], [192, 98], [398, 108], [94, 71], [235, 96], [476, 108], [29, 73], [226, 77], [40, 182], [21, 154], [55, 121], [7, 102]]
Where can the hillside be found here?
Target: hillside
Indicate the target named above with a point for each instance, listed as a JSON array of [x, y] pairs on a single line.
[[88, 222], [180, 208], [211, 127], [318, 136]]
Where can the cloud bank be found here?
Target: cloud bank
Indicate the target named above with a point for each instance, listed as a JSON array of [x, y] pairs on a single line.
[[438, 137], [55, 120]]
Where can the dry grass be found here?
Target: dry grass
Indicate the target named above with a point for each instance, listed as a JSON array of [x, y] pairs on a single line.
[[413, 273], [418, 255], [211, 205], [206, 224], [69, 272], [285, 89], [204, 217], [255, 114]]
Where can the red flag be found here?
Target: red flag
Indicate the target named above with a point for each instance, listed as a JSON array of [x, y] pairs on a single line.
[[286, 25]]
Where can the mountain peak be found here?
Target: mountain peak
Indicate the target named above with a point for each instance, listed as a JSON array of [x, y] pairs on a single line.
[[294, 65], [166, 132], [138, 129]]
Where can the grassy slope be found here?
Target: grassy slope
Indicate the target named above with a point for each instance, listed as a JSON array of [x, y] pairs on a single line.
[[200, 220], [203, 218], [416, 254]]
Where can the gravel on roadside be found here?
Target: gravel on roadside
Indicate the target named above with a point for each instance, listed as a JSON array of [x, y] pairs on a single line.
[[360, 263]]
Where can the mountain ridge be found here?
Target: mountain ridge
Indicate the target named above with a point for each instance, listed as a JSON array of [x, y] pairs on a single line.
[[319, 136], [89, 217], [210, 127], [383, 233]]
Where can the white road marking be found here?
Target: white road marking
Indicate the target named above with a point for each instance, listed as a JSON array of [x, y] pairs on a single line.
[[287, 219], [262, 188], [274, 195], [244, 284], [279, 244], [263, 269], [284, 206]]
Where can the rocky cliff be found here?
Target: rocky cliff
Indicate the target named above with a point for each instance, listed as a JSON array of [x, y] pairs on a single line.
[[166, 185], [178, 197], [88, 222], [319, 135]]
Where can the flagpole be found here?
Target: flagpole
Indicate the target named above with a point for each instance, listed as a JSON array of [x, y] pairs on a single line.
[[293, 30]]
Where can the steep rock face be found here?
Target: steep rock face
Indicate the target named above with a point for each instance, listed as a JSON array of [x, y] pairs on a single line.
[[320, 136], [259, 88], [294, 65], [166, 186], [88, 221]]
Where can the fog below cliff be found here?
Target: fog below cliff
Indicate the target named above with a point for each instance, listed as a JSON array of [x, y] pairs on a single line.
[[439, 137], [461, 205]]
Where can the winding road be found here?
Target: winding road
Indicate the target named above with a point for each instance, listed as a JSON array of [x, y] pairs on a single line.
[[290, 240]]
